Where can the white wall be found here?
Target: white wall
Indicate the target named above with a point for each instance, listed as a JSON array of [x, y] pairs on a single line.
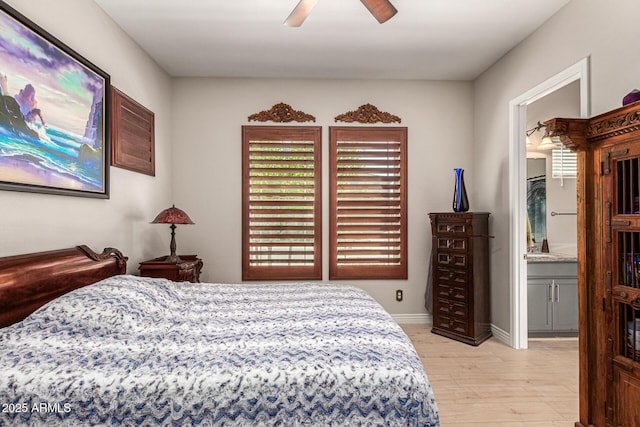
[[34, 222], [207, 119], [605, 31]]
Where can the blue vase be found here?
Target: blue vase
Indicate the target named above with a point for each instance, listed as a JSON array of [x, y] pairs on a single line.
[[460, 201]]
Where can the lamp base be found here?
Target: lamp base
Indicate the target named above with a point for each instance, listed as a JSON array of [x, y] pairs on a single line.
[[173, 259]]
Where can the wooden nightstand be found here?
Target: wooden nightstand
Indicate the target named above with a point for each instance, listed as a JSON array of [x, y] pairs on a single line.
[[188, 270]]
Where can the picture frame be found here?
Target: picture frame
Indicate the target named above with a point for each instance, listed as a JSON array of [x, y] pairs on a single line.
[[54, 114]]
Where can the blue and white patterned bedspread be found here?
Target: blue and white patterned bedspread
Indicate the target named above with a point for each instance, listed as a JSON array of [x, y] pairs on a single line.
[[141, 351]]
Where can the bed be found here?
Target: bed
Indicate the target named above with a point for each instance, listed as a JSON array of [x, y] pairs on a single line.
[[128, 350]]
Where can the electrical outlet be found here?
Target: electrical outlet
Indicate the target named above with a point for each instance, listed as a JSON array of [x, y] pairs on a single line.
[[399, 295]]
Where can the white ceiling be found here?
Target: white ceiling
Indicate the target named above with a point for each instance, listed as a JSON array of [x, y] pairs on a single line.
[[427, 39]]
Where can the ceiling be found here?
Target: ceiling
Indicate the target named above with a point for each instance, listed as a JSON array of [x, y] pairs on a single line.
[[427, 39]]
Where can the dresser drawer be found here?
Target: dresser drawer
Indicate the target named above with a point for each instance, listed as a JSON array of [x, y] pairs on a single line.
[[452, 259], [451, 324], [448, 308], [451, 292], [455, 227], [444, 274], [452, 243]]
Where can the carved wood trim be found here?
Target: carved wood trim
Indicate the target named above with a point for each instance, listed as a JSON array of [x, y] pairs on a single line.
[[281, 113], [625, 122], [570, 132], [576, 134], [106, 254], [367, 113]]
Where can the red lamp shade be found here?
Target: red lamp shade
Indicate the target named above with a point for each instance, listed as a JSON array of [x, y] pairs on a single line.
[[172, 216]]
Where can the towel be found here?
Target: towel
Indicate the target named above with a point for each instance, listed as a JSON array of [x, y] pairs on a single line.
[[530, 240]]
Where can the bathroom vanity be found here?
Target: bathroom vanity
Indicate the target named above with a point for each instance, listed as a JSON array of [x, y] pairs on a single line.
[[552, 292]]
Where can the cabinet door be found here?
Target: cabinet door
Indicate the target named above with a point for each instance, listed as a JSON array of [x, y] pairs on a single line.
[[539, 294], [621, 197], [565, 307]]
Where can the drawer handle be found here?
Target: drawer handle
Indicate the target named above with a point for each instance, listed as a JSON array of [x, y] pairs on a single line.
[[451, 291], [450, 229], [450, 244], [451, 274]]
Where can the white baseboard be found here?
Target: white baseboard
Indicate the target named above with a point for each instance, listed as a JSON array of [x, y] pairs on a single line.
[[501, 335], [412, 318]]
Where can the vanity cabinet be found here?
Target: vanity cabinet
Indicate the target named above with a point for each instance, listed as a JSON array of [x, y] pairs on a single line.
[[552, 295], [460, 259]]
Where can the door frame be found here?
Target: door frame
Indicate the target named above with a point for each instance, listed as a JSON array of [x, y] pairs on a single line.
[[518, 191]]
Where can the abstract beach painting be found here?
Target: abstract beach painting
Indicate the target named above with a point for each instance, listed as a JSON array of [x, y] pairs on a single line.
[[53, 124]]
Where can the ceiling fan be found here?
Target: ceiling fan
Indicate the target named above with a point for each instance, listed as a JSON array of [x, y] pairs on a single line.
[[382, 10]]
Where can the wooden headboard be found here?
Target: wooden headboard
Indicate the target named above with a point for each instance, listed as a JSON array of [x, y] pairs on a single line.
[[29, 281]]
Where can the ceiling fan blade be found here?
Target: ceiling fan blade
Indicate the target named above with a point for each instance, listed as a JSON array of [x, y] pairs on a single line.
[[382, 10], [300, 13]]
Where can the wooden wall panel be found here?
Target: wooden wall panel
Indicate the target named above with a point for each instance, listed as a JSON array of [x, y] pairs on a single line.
[[132, 135]]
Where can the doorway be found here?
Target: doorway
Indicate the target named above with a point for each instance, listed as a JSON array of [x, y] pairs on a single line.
[[552, 250], [518, 191]]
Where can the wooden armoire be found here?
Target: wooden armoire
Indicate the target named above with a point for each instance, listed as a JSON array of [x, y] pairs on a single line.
[[608, 187]]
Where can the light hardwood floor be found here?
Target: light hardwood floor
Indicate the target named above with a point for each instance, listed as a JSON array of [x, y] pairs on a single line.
[[495, 385]]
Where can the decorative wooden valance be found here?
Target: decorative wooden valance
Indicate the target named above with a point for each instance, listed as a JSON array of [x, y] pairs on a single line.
[[368, 113], [282, 113]]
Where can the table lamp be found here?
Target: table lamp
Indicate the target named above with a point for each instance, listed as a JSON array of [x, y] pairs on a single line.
[[172, 216]]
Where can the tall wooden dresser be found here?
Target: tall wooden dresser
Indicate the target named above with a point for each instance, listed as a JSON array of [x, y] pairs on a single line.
[[460, 266]]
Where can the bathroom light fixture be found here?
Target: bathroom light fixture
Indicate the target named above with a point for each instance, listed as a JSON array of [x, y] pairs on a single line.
[[546, 143], [531, 132]]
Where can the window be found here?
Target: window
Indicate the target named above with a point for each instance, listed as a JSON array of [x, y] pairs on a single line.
[[281, 203], [368, 203], [564, 163]]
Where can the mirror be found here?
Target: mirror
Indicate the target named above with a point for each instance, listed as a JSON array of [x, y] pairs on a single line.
[[537, 200]]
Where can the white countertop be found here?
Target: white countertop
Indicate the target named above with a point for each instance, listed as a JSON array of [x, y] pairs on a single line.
[[550, 257]]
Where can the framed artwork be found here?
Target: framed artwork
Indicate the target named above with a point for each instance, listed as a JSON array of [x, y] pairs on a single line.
[[54, 107]]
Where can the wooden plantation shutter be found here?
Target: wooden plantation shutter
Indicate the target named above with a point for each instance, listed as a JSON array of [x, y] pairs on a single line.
[[368, 203], [281, 203]]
